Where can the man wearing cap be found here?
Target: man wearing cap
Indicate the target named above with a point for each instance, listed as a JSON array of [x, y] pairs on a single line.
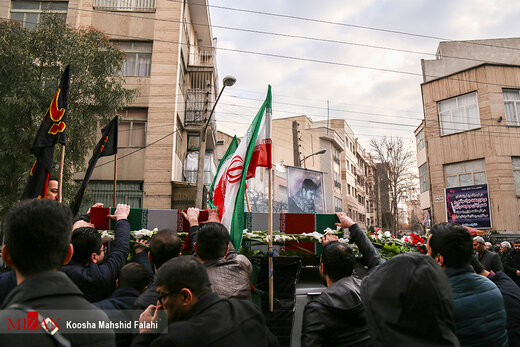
[[490, 260]]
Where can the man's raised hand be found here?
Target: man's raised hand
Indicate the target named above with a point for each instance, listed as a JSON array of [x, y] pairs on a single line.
[[344, 221], [122, 211]]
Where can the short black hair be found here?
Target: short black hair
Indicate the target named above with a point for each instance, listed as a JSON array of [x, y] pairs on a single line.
[[134, 275], [477, 265], [517, 241], [164, 245], [37, 234], [308, 184], [184, 272], [53, 178], [453, 242], [338, 260], [212, 241], [86, 240]]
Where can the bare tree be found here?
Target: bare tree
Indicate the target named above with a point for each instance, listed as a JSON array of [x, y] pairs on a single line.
[[398, 163]]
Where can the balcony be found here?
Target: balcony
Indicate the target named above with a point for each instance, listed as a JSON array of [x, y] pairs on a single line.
[[125, 5], [202, 56]]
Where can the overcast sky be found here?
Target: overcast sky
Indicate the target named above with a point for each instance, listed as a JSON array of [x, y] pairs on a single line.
[[362, 96]]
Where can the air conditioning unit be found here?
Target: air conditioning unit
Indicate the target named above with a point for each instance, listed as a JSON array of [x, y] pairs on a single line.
[[221, 142]]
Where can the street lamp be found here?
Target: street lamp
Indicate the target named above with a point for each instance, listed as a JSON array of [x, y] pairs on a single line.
[[321, 151], [228, 81]]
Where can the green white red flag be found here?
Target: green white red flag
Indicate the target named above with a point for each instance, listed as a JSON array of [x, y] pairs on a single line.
[[228, 188]]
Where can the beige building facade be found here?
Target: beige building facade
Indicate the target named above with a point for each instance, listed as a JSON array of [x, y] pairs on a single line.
[[172, 64], [471, 133]]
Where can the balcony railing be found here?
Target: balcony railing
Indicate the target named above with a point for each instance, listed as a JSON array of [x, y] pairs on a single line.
[[125, 5], [202, 56]]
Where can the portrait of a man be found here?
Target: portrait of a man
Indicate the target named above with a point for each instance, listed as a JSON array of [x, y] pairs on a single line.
[[305, 191]]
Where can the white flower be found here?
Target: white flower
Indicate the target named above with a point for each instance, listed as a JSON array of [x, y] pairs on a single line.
[[387, 234]]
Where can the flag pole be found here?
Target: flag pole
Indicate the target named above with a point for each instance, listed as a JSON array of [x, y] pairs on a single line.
[[115, 178], [60, 181], [270, 247], [247, 202]]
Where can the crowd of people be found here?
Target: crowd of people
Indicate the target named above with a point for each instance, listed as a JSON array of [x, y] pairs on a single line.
[[461, 293]]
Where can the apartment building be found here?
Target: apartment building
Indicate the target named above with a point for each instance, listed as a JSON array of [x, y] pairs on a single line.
[[170, 59], [470, 137]]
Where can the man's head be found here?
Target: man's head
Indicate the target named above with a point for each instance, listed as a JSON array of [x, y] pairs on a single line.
[[505, 247], [164, 245], [212, 241], [516, 246], [337, 261], [87, 246], [37, 236], [309, 190], [450, 245], [181, 282], [479, 245], [52, 188], [135, 276]]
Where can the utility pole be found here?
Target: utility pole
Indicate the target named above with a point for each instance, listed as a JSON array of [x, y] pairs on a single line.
[[296, 147]]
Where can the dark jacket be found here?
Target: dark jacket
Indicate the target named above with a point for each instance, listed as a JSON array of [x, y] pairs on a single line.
[[512, 264], [511, 294], [230, 276], [121, 299], [479, 309], [7, 284], [408, 302], [336, 317], [491, 261], [215, 322], [55, 292], [98, 282]]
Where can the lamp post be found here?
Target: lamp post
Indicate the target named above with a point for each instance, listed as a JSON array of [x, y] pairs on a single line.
[[321, 151], [228, 81]]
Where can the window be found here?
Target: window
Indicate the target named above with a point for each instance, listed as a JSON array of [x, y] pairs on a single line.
[[29, 12], [516, 174], [178, 134], [348, 189], [128, 192], [423, 177], [132, 128], [138, 57], [466, 173], [512, 105], [338, 205], [182, 77], [193, 141], [420, 140], [459, 114]]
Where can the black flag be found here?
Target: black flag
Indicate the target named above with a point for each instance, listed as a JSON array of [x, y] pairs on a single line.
[[106, 146], [51, 132]]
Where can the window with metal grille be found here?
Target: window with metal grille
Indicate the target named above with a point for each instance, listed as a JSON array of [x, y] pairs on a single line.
[[128, 192]]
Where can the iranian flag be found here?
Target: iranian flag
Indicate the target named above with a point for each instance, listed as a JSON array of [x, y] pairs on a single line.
[[228, 188]]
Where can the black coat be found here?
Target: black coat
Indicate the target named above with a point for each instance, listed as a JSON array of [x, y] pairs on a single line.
[[215, 322], [511, 294], [52, 291], [122, 299], [491, 261], [408, 302], [512, 264], [98, 282]]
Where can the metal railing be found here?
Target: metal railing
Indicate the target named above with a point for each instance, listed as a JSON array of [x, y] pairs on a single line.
[[202, 56], [196, 106], [125, 5]]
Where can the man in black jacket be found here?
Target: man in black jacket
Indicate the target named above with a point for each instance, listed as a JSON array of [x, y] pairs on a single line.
[[37, 234], [512, 262], [336, 317], [490, 260], [164, 245], [90, 269], [196, 316]]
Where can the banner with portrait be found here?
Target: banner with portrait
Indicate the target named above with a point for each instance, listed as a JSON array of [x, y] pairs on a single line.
[[468, 206], [305, 190]]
